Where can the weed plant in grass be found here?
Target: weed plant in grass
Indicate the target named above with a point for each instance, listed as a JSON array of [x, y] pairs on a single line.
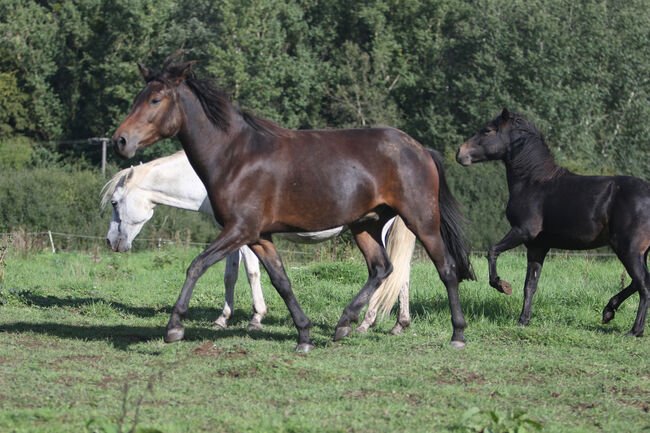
[[81, 350]]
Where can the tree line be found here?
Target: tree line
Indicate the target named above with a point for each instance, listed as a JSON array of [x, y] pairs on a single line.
[[437, 69]]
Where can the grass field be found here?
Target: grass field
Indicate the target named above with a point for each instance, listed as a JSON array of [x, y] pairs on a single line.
[[81, 350]]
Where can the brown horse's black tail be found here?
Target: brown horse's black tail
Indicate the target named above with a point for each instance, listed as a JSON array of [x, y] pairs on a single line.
[[451, 224]]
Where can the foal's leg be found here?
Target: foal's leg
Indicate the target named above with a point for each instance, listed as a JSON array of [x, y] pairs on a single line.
[[536, 258], [515, 237], [268, 255], [610, 310], [252, 265], [379, 267], [229, 240], [635, 264], [229, 279]]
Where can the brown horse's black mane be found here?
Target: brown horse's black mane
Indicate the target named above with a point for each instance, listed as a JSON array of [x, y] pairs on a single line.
[[216, 103], [531, 157]]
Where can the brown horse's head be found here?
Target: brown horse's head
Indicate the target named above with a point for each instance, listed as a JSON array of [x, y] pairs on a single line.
[[491, 143], [156, 113]]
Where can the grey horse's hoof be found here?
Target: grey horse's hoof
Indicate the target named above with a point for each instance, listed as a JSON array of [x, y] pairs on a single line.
[[304, 347], [342, 332], [458, 344], [221, 323], [254, 325], [174, 334], [362, 329], [397, 329]]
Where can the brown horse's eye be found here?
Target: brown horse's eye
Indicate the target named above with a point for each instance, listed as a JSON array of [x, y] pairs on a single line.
[[155, 101]]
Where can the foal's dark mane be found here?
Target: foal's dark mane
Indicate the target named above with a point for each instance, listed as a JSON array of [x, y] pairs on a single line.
[[531, 157]]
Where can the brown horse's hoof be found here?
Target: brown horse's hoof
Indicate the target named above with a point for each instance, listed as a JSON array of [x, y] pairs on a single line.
[[220, 323], [304, 347], [174, 334], [458, 344], [504, 287], [342, 332]]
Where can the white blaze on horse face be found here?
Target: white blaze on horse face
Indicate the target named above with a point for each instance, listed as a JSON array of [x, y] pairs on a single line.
[[130, 212]]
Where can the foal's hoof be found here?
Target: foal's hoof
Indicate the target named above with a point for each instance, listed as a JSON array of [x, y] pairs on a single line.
[[458, 344], [254, 325], [504, 287], [221, 323], [634, 334], [342, 332], [174, 334], [608, 315], [304, 347]]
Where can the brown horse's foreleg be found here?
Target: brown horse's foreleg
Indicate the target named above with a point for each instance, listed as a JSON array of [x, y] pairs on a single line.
[[228, 241], [379, 267], [514, 238], [268, 255], [535, 262]]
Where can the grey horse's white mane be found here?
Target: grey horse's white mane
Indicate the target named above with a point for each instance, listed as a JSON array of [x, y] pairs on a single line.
[[132, 176]]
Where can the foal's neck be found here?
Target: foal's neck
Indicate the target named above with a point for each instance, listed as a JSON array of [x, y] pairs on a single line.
[[532, 162]]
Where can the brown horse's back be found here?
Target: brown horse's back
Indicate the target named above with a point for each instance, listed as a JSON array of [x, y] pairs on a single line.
[[313, 180]]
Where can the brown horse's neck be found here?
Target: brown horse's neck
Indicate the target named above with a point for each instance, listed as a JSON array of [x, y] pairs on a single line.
[[204, 142]]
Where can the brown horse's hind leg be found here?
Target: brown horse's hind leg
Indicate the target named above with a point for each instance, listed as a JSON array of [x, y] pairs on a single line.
[[268, 255], [379, 266], [446, 266]]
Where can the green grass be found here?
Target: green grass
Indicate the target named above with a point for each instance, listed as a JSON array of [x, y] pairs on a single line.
[[81, 350]]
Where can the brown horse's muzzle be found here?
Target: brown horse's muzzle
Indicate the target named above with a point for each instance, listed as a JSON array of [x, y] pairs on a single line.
[[123, 147]]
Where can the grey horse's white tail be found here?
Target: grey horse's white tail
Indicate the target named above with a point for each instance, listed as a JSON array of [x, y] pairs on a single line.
[[400, 243]]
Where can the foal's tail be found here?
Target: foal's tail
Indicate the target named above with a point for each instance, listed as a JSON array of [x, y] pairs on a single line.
[[451, 222]]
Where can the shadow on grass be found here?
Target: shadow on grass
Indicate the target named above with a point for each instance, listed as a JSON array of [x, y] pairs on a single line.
[[196, 312], [123, 336]]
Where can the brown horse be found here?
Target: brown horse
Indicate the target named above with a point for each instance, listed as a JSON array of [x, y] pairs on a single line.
[[262, 179], [550, 207]]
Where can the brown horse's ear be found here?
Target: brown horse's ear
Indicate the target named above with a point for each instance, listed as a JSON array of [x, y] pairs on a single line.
[[178, 72], [505, 114], [146, 72]]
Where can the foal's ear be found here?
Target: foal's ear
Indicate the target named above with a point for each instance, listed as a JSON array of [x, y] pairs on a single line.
[[178, 72], [505, 114], [146, 72]]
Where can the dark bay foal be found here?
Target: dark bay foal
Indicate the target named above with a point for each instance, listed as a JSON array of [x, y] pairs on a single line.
[[550, 207], [263, 179]]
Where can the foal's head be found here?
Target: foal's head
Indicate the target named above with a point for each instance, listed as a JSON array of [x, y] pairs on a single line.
[[493, 142], [516, 141], [156, 111]]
